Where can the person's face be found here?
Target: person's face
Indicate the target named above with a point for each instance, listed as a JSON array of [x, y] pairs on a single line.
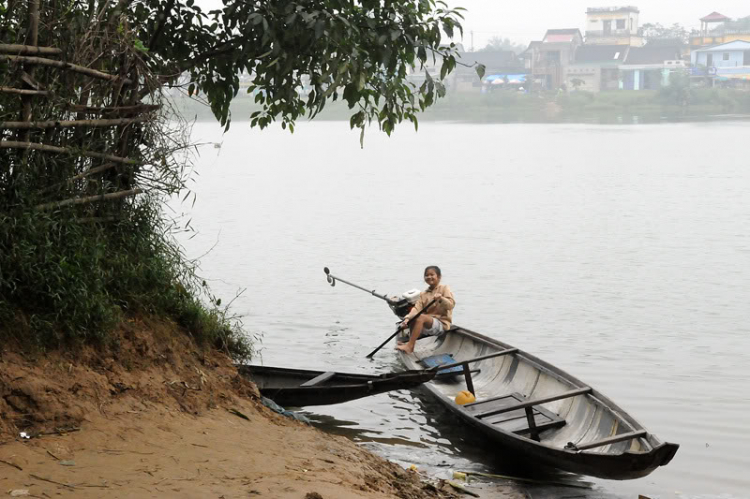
[[431, 278]]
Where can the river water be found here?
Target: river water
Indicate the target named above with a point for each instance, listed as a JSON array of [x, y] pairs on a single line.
[[619, 253]]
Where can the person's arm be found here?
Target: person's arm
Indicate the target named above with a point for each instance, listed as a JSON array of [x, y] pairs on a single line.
[[447, 300], [418, 306]]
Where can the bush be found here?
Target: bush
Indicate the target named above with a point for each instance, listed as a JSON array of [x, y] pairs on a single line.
[[66, 281]]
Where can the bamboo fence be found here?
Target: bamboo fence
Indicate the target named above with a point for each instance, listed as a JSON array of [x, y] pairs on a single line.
[[77, 120]]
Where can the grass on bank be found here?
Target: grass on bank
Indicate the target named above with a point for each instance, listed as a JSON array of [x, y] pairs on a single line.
[[67, 281]]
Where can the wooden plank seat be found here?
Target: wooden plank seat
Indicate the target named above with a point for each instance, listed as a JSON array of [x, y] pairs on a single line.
[[321, 378], [515, 420]]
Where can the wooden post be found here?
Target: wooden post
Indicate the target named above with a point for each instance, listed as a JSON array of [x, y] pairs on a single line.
[[467, 376], [532, 423]]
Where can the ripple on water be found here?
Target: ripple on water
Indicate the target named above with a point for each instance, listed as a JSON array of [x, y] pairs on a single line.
[[627, 270]]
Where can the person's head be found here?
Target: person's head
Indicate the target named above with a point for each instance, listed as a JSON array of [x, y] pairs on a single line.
[[432, 275]]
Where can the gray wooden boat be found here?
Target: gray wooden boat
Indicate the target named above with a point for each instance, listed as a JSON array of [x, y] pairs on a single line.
[[536, 410], [301, 387]]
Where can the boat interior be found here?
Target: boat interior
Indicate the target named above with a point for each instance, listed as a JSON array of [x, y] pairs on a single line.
[[522, 395]]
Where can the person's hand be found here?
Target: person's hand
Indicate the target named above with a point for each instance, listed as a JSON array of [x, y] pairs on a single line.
[[405, 324], [437, 297]]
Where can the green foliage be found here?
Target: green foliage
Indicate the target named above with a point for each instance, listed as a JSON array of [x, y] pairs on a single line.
[[655, 31], [678, 91], [361, 52], [498, 43], [66, 281]]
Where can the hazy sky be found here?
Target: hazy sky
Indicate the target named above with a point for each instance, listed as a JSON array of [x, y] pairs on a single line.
[[523, 21], [526, 20]]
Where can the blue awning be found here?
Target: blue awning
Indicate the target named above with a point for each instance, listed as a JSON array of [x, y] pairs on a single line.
[[511, 78]]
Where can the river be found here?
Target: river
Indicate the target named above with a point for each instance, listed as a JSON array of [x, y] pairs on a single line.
[[619, 253]]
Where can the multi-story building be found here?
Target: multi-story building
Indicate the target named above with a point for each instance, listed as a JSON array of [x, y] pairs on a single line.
[[550, 58], [613, 26]]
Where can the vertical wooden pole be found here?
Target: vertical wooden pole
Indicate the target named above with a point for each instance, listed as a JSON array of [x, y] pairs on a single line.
[[33, 39], [27, 100]]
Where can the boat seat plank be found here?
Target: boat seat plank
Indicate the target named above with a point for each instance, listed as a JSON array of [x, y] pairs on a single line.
[[527, 403], [322, 378], [609, 440], [521, 425], [515, 421]]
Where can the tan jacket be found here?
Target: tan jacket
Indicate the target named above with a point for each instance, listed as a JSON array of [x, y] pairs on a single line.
[[442, 310]]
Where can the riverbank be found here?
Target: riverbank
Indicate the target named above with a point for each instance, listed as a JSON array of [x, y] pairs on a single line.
[[517, 107], [155, 416]]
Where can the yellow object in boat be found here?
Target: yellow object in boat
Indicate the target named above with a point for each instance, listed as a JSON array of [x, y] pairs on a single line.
[[465, 397]]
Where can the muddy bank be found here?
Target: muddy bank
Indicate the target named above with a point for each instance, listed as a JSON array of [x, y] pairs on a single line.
[[154, 416]]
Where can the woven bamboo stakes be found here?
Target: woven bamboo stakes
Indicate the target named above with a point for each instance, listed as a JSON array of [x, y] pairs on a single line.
[[28, 50], [23, 91], [42, 61], [89, 199], [9, 144], [71, 123]]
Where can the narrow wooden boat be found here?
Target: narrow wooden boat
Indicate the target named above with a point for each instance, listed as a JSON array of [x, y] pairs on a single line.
[[536, 410], [299, 387]]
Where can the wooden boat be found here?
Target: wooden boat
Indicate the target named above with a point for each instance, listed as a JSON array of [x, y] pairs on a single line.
[[536, 410], [299, 388]]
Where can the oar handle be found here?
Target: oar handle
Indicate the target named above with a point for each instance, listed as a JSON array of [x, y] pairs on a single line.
[[332, 281], [400, 327]]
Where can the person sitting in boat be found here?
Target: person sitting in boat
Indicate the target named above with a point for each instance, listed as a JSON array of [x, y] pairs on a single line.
[[435, 320]]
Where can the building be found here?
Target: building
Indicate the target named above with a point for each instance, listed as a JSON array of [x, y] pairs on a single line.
[[597, 67], [613, 26], [549, 59], [728, 62], [650, 67], [724, 32]]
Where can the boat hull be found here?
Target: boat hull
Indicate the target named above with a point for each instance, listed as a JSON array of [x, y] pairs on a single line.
[[582, 419], [285, 386]]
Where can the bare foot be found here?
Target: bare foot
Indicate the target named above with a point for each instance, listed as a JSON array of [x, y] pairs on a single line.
[[404, 347]]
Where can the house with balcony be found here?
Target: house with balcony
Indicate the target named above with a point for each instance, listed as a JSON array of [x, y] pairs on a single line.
[[727, 62], [550, 58], [613, 26]]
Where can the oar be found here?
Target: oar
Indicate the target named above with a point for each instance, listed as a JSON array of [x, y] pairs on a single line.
[[400, 327], [332, 281]]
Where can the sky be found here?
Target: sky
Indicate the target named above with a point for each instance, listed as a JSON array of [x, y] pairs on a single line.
[[524, 21]]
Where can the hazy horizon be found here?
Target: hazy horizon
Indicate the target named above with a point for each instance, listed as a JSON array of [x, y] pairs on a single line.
[[524, 22]]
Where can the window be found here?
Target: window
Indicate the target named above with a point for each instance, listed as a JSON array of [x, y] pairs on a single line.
[[726, 56], [607, 27], [617, 56], [621, 24]]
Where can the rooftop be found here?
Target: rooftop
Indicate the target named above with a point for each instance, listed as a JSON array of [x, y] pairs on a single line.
[[714, 17], [561, 35], [601, 53], [653, 54], [604, 10]]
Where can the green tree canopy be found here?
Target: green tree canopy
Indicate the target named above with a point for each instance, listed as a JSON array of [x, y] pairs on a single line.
[[655, 31], [498, 43], [361, 51]]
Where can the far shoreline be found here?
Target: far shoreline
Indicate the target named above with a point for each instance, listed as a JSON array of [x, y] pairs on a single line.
[[610, 108]]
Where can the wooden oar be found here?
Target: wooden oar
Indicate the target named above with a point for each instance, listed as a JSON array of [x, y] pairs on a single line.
[[400, 327]]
